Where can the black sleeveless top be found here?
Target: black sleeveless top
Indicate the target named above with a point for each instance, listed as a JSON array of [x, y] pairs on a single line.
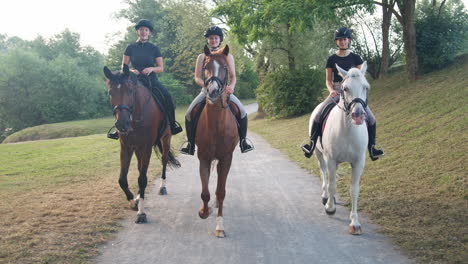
[[346, 63]]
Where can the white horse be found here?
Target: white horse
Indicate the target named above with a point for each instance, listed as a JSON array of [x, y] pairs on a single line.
[[345, 139]]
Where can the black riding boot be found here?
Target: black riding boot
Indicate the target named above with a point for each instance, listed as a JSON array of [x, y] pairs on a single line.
[[175, 126], [314, 133], [244, 146], [190, 130], [374, 153]]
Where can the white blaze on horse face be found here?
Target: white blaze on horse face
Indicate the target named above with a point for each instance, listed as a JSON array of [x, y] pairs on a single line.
[[214, 85]]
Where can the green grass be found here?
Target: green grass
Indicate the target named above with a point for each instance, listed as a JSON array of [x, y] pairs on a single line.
[[418, 192], [61, 197]]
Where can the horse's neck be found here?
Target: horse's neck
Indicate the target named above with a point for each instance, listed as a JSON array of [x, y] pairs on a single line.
[[216, 113], [141, 102]]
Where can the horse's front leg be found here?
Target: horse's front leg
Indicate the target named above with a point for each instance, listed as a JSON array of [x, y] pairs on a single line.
[[323, 175], [224, 166], [355, 226], [205, 211], [330, 207], [125, 158], [143, 155]]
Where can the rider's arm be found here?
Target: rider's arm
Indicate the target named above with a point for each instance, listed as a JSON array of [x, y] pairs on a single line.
[[232, 73], [199, 69], [126, 60], [328, 79]]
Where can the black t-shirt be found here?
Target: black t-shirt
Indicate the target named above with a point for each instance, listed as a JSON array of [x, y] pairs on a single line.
[[346, 63], [142, 55]]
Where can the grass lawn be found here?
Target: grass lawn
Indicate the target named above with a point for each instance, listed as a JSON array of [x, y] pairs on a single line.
[[418, 192], [61, 197]]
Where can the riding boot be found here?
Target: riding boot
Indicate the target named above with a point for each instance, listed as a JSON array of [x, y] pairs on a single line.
[[175, 126], [244, 146], [373, 152], [190, 130], [314, 134]]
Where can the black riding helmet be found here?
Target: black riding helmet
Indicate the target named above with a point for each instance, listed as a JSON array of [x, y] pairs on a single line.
[[343, 32], [144, 23], [214, 30]]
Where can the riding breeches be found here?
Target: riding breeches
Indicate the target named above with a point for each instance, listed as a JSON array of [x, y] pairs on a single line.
[[334, 100], [201, 97]]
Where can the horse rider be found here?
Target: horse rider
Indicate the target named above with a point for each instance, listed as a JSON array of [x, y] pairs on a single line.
[[143, 56], [346, 60], [214, 36]]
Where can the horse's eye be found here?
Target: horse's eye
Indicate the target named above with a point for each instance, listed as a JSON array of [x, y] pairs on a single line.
[[345, 89]]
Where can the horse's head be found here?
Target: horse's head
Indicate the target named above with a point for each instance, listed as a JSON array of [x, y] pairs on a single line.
[[122, 93], [354, 92], [216, 73]]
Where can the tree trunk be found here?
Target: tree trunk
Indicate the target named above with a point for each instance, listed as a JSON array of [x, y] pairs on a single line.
[[407, 8], [386, 21], [290, 40]]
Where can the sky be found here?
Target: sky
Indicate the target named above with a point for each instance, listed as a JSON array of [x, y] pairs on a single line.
[[92, 19]]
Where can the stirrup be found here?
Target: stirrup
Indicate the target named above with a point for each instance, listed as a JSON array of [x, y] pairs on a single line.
[[244, 141], [308, 148], [113, 135], [176, 128]]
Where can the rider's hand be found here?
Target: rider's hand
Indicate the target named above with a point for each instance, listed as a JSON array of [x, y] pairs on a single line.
[[135, 71], [229, 89], [147, 70], [333, 93]]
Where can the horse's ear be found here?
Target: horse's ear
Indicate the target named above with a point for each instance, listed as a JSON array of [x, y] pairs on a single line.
[[108, 73], [226, 50], [207, 50], [341, 72], [125, 69], [364, 68]]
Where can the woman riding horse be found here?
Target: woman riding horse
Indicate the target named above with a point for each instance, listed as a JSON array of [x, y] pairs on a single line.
[[214, 36], [144, 55], [345, 59]]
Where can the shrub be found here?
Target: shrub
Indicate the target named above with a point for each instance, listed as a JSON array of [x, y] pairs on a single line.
[[176, 88], [440, 36], [287, 93]]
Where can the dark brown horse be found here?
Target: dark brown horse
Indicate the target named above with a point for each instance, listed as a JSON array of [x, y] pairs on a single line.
[[216, 136], [141, 126]]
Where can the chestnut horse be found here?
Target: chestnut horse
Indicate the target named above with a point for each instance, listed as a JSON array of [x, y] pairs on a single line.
[[216, 134], [141, 126]]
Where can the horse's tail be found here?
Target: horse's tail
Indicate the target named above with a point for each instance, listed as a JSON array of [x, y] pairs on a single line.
[[172, 161]]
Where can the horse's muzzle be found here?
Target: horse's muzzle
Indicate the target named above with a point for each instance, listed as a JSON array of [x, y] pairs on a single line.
[[123, 126], [358, 117]]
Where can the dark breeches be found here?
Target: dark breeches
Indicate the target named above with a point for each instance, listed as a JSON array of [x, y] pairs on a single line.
[[160, 94]]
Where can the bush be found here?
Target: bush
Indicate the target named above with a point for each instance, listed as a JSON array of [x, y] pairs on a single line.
[[290, 93], [176, 88], [440, 36], [247, 82]]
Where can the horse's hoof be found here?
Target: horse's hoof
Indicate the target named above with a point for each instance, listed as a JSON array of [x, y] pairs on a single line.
[[134, 204], [220, 233], [355, 230], [162, 191], [141, 218], [205, 215], [330, 212]]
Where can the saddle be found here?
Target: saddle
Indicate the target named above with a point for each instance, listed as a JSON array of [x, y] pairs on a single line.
[[196, 111]]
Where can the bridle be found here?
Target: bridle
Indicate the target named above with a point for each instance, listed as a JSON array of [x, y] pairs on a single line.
[[129, 108], [221, 83], [348, 105]]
